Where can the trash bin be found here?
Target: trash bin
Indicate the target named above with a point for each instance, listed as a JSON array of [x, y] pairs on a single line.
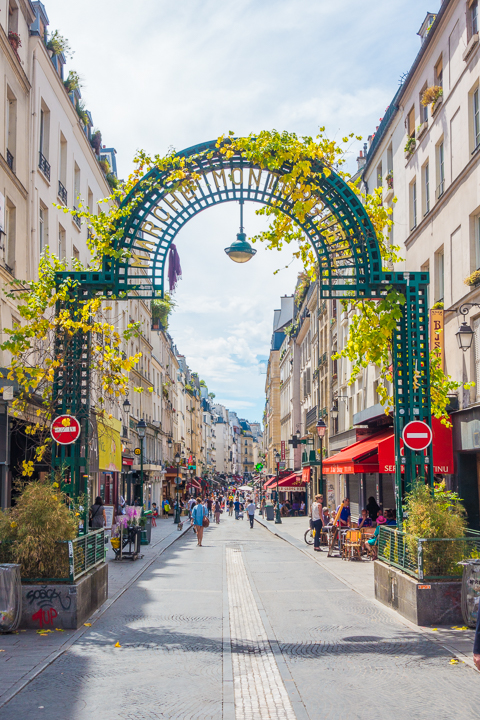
[[10, 597], [147, 531], [470, 591], [270, 510]]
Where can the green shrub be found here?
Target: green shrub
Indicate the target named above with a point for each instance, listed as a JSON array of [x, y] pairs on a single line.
[[33, 528], [440, 515]]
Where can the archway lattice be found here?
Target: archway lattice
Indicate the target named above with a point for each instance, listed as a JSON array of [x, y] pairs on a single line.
[[342, 237]]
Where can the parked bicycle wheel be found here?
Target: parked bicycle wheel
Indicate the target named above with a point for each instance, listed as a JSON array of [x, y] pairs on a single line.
[[308, 537]]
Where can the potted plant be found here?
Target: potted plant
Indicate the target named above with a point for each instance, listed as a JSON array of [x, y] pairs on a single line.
[[72, 82], [58, 45], [14, 40], [389, 179], [410, 145], [432, 96], [96, 141], [81, 112], [473, 279]]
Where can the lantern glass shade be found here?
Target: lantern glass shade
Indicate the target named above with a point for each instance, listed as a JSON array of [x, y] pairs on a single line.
[[464, 337], [177, 459], [321, 428], [334, 411], [126, 406], [169, 442], [141, 428], [240, 251]]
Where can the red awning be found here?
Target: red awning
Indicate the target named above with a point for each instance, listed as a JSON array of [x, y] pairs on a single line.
[[360, 457], [376, 454], [289, 483], [194, 483]]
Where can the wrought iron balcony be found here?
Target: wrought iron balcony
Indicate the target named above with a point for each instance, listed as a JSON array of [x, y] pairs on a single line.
[[62, 193], [44, 165], [311, 418], [10, 160], [76, 218]]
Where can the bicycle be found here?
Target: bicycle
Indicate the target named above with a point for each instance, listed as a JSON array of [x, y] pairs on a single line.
[[308, 537]]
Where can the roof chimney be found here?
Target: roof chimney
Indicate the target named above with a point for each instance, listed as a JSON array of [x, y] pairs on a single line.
[[361, 160]]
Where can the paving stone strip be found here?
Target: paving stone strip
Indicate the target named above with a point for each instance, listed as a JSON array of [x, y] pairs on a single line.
[[258, 685]]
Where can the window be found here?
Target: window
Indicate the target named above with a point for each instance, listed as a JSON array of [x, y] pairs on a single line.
[[476, 229], [61, 243], [62, 187], [439, 72], [423, 108], [12, 16], [473, 19], [379, 176], [44, 131], [11, 127], [426, 189], [76, 185], [439, 276], [440, 170], [10, 235], [43, 228], [413, 205], [411, 122], [76, 253], [476, 120]]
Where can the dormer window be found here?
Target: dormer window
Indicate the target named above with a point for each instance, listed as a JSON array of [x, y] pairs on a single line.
[[426, 25]]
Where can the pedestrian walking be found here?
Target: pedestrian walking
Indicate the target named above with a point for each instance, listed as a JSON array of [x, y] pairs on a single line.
[[316, 516], [218, 510], [236, 505], [230, 506], [154, 514], [251, 512], [199, 516], [209, 506], [97, 516]]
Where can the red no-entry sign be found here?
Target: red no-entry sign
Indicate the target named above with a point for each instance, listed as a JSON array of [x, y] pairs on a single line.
[[65, 429], [417, 435]]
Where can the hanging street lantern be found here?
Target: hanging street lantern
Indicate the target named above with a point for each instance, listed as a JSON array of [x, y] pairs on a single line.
[[240, 251], [464, 337]]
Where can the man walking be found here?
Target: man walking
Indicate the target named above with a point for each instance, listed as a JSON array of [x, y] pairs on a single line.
[[236, 505], [251, 512]]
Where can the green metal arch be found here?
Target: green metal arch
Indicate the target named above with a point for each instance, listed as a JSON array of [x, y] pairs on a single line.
[[349, 255]]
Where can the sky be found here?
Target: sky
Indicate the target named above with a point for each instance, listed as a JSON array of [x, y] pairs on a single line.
[[161, 74]]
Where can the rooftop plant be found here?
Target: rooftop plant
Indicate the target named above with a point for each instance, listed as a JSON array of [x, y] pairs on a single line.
[[431, 95], [58, 45], [73, 82]]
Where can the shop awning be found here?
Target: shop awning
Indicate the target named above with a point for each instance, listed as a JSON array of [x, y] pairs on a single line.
[[376, 454], [289, 483], [194, 483]]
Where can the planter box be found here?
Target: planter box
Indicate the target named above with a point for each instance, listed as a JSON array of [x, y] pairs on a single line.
[[388, 195], [61, 605], [423, 602]]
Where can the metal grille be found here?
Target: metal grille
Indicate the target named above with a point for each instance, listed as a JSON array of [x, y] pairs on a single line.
[[85, 553], [44, 165], [76, 218], [62, 193], [10, 160], [427, 558]]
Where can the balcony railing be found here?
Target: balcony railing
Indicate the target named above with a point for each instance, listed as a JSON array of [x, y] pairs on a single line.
[[62, 193], [440, 189], [10, 160], [76, 218], [311, 418], [44, 165]]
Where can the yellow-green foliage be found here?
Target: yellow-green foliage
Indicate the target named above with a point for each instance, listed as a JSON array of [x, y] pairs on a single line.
[[440, 515], [35, 525]]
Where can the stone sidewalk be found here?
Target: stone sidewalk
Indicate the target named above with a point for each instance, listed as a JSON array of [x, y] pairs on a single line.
[[24, 654], [359, 577]]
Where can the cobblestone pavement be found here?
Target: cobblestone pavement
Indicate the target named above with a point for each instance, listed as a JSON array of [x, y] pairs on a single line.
[[247, 618]]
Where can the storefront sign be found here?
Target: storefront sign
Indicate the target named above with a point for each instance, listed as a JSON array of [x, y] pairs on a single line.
[[65, 429], [306, 474], [437, 335], [282, 450], [109, 444], [127, 461]]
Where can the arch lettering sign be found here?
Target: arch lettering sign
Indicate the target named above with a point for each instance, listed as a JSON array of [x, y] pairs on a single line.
[[338, 227]]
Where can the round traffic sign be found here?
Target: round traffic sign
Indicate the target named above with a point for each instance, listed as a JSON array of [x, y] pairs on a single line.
[[137, 451], [417, 435], [65, 429]]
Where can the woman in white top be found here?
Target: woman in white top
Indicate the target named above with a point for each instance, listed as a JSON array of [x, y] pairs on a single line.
[[316, 514]]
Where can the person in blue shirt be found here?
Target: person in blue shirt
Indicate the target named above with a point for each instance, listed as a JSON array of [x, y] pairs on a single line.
[[198, 513], [236, 505], [345, 515], [364, 521]]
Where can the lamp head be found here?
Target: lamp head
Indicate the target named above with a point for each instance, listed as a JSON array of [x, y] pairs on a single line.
[[141, 428], [321, 428], [126, 406], [240, 251], [464, 337]]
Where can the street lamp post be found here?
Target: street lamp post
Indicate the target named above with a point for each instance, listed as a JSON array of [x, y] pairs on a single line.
[[321, 429], [176, 517], [126, 410], [141, 431], [278, 519]]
